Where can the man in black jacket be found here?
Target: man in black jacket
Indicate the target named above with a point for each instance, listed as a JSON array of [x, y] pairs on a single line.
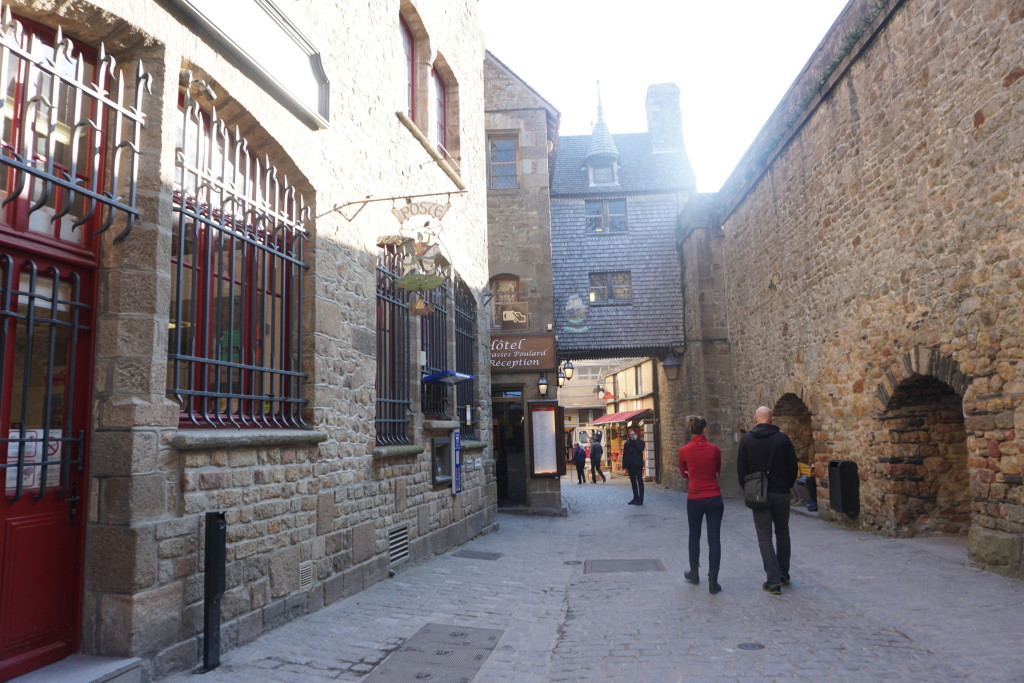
[[596, 453], [767, 449], [633, 462]]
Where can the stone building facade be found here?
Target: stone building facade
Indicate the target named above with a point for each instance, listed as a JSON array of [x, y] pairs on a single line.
[[522, 132], [871, 248], [311, 179]]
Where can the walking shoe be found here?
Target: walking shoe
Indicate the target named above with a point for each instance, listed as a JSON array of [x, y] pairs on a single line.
[[632, 502], [713, 587], [773, 588], [785, 578], [692, 576], [812, 506]]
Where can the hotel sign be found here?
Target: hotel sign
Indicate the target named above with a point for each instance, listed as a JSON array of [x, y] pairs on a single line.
[[523, 353]]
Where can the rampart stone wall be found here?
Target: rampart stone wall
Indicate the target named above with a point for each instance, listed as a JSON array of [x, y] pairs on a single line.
[[874, 248]]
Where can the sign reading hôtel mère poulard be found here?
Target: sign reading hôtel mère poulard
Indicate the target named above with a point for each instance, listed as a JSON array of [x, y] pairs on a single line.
[[523, 353]]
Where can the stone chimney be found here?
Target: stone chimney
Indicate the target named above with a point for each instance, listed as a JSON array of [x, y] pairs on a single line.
[[664, 122]]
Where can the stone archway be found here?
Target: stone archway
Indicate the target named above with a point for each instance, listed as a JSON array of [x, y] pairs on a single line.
[[923, 458], [794, 418]]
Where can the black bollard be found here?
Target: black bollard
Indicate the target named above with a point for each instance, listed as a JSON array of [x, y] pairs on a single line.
[[216, 543]]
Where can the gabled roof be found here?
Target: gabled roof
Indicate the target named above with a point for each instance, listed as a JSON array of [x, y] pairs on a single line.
[[640, 171], [502, 66]]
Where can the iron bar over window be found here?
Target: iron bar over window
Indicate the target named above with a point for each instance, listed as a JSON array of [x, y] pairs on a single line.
[[393, 377], [465, 353], [434, 343], [58, 124], [41, 330], [234, 354]]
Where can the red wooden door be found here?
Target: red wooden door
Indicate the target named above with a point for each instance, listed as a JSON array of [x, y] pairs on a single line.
[[45, 348]]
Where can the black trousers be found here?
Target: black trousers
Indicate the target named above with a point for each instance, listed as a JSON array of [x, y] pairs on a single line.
[[636, 480], [775, 516], [595, 469], [580, 474]]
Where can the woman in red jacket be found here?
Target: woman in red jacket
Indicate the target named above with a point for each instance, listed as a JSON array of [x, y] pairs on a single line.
[[700, 461]]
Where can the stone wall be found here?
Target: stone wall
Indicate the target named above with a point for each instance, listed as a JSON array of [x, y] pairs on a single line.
[[323, 496], [874, 253]]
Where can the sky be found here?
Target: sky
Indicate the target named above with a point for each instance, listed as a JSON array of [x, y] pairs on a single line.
[[733, 60]]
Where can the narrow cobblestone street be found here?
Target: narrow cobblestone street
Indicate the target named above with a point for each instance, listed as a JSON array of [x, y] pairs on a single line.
[[861, 607]]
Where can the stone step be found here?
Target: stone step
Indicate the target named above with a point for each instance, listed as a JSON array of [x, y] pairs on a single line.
[[87, 669]]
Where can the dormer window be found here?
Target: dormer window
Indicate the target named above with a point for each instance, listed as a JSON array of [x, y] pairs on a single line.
[[603, 174]]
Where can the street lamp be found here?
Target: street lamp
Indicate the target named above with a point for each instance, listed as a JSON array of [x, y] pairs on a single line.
[[671, 366], [568, 369], [598, 390], [542, 385], [561, 379]]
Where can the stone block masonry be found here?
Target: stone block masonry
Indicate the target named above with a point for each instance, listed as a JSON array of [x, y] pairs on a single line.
[[874, 253]]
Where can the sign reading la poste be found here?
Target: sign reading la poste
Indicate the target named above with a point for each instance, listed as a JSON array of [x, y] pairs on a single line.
[[523, 353]]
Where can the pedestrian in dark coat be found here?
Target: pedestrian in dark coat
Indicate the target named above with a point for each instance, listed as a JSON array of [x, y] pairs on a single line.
[[633, 463], [579, 458], [767, 449], [596, 453]]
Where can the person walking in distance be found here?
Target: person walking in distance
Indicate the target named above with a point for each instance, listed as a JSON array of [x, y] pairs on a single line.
[[767, 449], [700, 461], [633, 462], [579, 458], [596, 453]]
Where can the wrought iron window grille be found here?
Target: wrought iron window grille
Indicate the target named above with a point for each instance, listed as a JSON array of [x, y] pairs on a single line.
[[466, 340], [234, 351], [77, 118], [393, 368]]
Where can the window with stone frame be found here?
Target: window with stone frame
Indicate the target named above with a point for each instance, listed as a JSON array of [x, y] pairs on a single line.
[[611, 287], [441, 109], [466, 341], [606, 215], [234, 353], [603, 174], [394, 372], [504, 290], [408, 79], [502, 162]]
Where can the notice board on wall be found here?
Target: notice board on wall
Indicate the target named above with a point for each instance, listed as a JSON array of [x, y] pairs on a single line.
[[545, 439]]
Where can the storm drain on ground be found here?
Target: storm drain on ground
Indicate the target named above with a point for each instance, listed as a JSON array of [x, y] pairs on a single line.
[[439, 652], [604, 566], [477, 555]]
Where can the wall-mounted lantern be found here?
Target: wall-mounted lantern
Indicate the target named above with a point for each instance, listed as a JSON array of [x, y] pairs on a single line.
[[542, 385], [671, 366], [568, 369]]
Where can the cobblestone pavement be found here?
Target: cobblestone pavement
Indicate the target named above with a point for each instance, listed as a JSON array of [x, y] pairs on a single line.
[[861, 607]]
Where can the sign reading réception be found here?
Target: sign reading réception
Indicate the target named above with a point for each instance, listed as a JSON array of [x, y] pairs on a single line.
[[523, 353]]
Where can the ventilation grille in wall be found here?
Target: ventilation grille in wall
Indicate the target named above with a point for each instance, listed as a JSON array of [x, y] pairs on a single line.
[[398, 544], [305, 575]]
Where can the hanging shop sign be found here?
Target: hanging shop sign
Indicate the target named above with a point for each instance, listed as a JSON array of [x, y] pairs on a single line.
[[410, 209], [523, 353]]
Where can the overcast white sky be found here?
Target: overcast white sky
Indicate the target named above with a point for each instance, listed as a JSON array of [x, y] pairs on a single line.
[[732, 59]]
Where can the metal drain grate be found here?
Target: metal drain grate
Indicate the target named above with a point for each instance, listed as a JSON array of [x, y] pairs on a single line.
[[477, 555], [439, 652], [305, 574], [604, 566], [398, 544]]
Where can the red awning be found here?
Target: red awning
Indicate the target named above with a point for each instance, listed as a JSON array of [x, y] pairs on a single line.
[[619, 417]]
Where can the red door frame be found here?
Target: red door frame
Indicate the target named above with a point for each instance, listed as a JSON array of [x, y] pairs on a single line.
[[40, 646]]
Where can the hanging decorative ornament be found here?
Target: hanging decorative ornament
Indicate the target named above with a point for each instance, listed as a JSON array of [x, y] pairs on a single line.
[[421, 306]]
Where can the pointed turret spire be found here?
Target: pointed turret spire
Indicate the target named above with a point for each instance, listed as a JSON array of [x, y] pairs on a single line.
[[602, 146]]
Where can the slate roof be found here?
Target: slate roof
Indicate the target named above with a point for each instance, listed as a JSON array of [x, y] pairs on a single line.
[[655, 187], [640, 171]]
